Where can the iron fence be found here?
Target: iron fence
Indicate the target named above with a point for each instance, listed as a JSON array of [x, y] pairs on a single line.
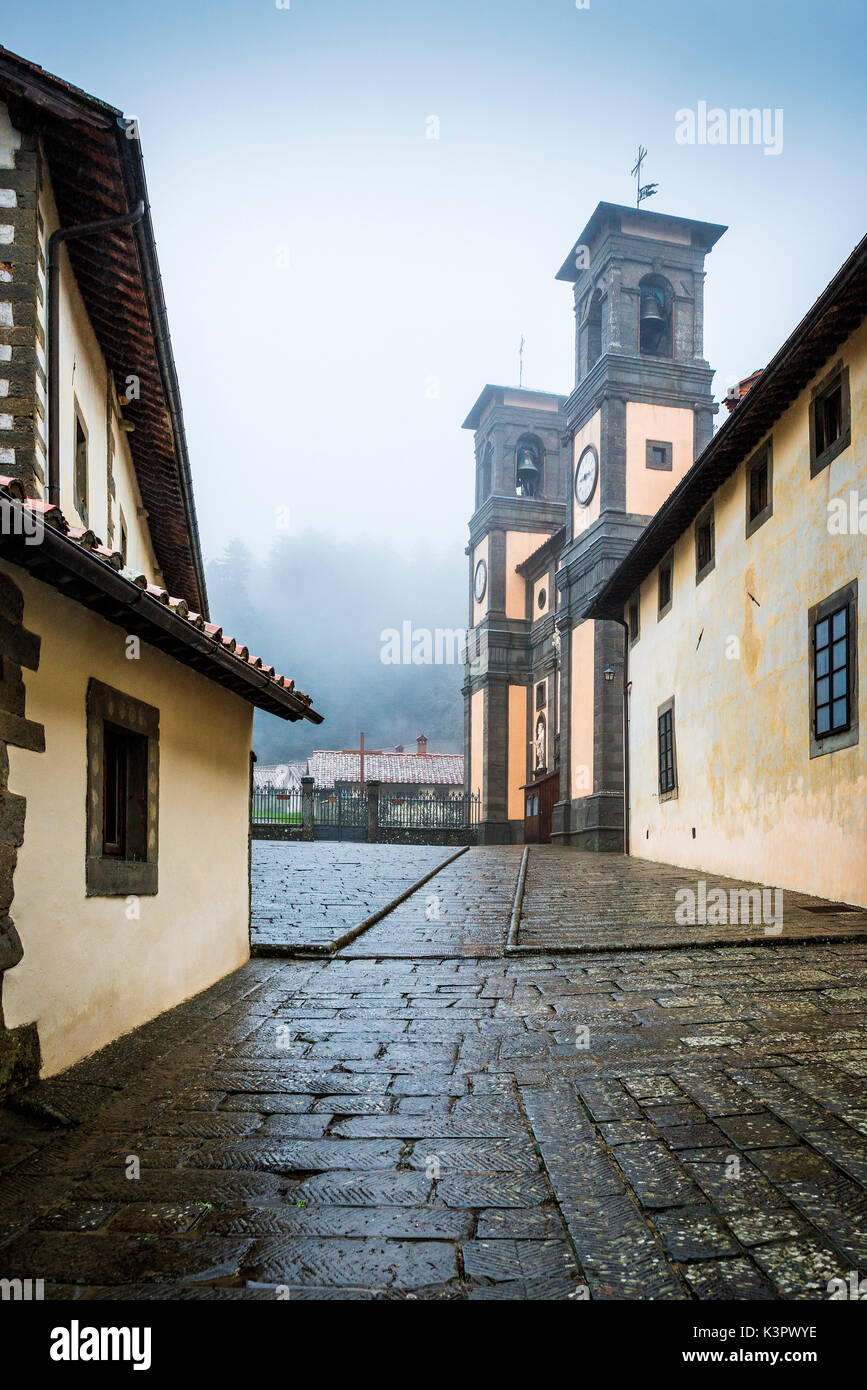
[[424, 811], [344, 808], [271, 806], [346, 813]]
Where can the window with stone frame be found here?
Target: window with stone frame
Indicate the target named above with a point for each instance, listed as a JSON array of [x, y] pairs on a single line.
[[830, 419], [79, 479], [666, 585], [666, 750], [759, 488], [833, 629], [658, 454], [633, 618], [704, 544], [122, 793]]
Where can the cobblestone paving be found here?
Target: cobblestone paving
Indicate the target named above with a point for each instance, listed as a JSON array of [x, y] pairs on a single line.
[[686, 1124], [594, 902], [310, 893]]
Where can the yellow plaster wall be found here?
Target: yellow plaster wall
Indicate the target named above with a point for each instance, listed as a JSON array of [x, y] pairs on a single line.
[[477, 743], [517, 749], [583, 649], [762, 808], [590, 433], [88, 973], [647, 488], [519, 545]]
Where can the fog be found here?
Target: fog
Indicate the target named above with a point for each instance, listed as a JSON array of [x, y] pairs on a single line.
[[330, 615]]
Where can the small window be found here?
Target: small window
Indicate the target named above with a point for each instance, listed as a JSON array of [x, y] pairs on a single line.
[[830, 423], [122, 793], [704, 544], [123, 537], [634, 619], [540, 695], [666, 750], [80, 467], [542, 598], [659, 454], [666, 571], [759, 488], [124, 821], [834, 672]]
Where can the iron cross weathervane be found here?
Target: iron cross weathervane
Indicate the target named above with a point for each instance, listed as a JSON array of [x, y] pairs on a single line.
[[646, 190]]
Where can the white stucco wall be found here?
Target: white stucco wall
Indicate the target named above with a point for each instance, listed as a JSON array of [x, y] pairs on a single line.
[[84, 379], [89, 973]]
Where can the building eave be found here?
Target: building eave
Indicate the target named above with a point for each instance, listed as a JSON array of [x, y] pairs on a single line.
[[97, 172], [91, 579]]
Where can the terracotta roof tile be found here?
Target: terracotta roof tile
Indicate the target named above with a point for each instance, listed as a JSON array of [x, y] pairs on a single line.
[[429, 769], [84, 539]]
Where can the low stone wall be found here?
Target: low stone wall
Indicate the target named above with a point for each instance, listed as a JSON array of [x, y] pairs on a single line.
[[463, 836], [276, 832]]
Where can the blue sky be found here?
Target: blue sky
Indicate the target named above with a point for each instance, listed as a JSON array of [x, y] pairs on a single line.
[[340, 287]]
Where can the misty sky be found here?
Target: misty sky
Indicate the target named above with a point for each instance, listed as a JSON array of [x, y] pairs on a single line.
[[328, 269]]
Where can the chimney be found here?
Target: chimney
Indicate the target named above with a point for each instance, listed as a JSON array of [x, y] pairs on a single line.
[[735, 394], [422, 745], [399, 748]]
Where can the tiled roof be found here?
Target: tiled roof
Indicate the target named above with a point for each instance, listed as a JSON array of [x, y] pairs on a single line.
[[77, 562], [96, 173], [280, 776], [428, 769]]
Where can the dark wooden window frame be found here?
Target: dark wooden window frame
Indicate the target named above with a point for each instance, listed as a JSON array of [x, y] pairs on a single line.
[[666, 563], [763, 457], [80, 499], [109, 874], [705, 518], [665, 712], [839, 376], [847, 598], [634, 628], [650, 462]]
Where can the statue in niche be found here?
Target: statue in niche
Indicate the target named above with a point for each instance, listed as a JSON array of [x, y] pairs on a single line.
[[540, 743]]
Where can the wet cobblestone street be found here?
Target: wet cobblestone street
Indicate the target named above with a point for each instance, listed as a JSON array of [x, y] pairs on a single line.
[[424, 1115]]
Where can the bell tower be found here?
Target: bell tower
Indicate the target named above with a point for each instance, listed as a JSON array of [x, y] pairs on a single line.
[[523, 472], [640, 412]]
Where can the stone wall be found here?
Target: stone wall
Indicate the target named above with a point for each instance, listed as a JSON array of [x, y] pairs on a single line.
[[19, 1047], [22, 271]]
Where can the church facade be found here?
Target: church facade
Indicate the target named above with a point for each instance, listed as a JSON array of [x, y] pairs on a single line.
[[744, 604], [565, 485]]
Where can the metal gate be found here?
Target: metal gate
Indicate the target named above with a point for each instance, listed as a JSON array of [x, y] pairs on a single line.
[[340, 813]]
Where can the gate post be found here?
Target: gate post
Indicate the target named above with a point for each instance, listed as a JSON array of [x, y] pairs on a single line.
[[306, 808], [372, 812]]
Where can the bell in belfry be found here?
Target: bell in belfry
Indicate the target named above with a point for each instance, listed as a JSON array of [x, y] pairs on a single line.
[[652, 321], [527, 473]]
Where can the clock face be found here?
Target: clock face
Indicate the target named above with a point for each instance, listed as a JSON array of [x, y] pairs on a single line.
[[480, 581], [586, 474]]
